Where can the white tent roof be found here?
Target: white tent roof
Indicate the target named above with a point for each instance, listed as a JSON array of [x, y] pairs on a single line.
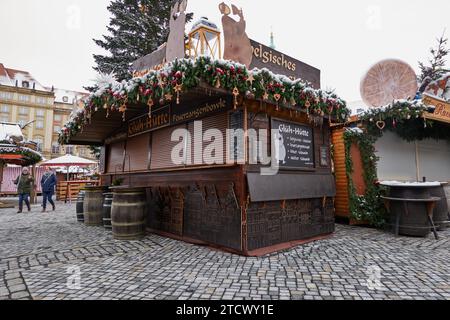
[[73, 169], [10, 131], [68, 160]]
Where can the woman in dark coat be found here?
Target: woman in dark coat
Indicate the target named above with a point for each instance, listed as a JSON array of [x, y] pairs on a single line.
[[25, 183], [48, 183]]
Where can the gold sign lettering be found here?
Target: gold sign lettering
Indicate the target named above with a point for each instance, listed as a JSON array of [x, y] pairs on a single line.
[[167, 115], [198, 112], [273, 58], [144, 124], [141, 73], [441, 111]]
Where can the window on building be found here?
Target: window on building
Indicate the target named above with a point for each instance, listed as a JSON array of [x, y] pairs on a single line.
[[56, 129], [40, 113], [23, 110], [4, 118], [6, 95], [41, 100], [25, 84], [69, 150], [82, 152], [56, 148], [39, 124], [23, 97], [5, 108], [58, 117], [65, 99]]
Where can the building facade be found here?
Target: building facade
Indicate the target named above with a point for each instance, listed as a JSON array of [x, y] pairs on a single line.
[[66, 101], [42, 111]]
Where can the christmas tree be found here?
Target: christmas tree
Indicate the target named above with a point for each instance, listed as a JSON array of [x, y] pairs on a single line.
[[137, 28], [435, 67]]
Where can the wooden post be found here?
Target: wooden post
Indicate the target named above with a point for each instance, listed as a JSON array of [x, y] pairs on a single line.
[[417, 161], [245, 198], [1, 174]]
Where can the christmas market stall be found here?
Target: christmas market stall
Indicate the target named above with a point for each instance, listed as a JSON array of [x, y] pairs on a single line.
[[399, 149], [68, 189], [14, 151], [210, 149]]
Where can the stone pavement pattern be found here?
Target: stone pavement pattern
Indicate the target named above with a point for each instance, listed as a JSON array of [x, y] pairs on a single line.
[[38, 252]]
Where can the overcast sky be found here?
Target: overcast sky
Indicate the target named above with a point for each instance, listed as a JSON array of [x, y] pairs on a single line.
[[53, 38]]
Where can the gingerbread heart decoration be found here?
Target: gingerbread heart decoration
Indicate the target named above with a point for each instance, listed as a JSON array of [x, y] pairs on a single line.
[[381, 125]]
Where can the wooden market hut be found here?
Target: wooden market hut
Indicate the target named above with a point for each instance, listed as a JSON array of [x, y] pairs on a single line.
[[14, 151], [228, 205], [206, 198], [340, 157], [409, 143]]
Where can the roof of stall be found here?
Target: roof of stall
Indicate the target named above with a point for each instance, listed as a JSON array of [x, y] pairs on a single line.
[[188, 80]]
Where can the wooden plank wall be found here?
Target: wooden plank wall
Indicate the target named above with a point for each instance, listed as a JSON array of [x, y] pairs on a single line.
[[277, 222], [138, 153], [72, 192], [342, 195], [115, 161]]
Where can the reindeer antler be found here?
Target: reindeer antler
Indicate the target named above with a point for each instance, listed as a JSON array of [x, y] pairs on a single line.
[[183, 6]]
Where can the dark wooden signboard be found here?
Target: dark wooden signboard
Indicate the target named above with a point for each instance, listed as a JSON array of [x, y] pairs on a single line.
[[262, 57], [296, 146], [171, 115], [279, 63], [160, 118], [182, 113]]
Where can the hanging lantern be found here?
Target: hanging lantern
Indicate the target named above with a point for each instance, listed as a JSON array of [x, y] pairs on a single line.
[[204, 40]]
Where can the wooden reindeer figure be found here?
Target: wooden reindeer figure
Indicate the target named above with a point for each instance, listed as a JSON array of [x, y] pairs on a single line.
[[237, 44], [175, 43]]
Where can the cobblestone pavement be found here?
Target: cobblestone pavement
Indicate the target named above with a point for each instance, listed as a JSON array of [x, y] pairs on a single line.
[[39, 253]]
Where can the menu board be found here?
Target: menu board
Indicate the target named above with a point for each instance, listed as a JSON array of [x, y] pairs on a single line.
[[294, 147]]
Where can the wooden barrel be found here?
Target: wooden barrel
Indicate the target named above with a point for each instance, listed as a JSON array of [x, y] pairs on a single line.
[[79, 209], [93, 206], [415, 222], [107, 202], [128, 213], [440, 213]]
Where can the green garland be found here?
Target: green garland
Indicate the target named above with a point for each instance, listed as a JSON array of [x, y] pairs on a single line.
[[405, 118], [368, 207], [29, 157], [160, 87]]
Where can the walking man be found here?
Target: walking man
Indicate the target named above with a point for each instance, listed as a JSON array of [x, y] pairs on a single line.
[[25, 183], [48, 183]]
